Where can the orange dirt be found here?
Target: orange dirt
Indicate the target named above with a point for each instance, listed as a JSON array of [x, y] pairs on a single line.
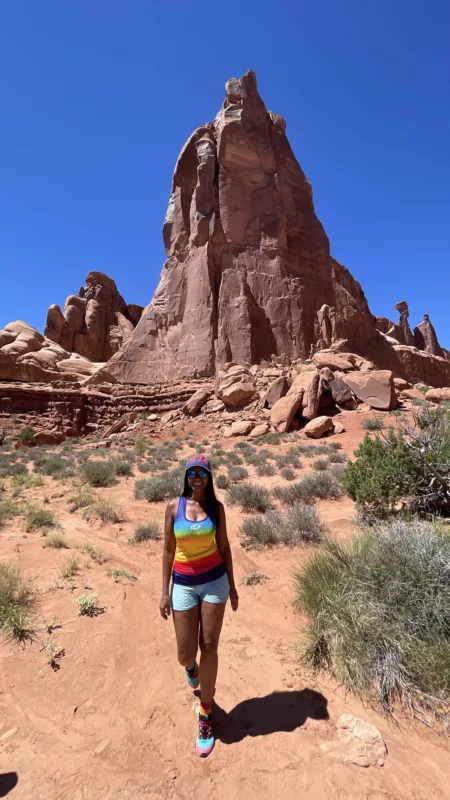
[[116, 720]]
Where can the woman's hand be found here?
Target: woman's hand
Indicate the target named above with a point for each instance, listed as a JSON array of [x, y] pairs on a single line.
[[234, 598], [164, 606]]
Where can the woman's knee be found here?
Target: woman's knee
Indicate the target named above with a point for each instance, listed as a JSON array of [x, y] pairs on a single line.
[[209, 646], [186, 656]]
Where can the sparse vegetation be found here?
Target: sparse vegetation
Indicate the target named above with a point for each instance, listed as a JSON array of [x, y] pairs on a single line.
[[255, 578], [53, 651], [287, 473], [300, 523], [81, 497], [98, 473], [123, 467], [104, 509], [150, 531], [249, 496], [121, 574], [265, 469], [140, 445], [373, 424], [318, 485], [221, 481], [38, 517], [337, 458], [53, 464], [94, 552], [88, 604], [8, 509], [233, 458], [320, 464], [379, 614], [236, 474], [16, 601], [260, 531], [26, 481], [70, 568], [55, 540], [160, 487]]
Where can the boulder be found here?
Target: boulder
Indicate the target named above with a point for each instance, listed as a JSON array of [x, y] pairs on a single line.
[[284, 411], [48, 438], [169, 416], [375, 388], [318, 427], [213, 406], [309, 384], [327, 358], [358, 743], [195, 402], [275, 391], [438, 395], [236, 387], [260, 430], [238, 428], [401, 384], [338, 427]]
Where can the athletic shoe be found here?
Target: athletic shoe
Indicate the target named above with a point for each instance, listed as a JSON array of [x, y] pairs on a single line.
[[205, 739], [193, 679]]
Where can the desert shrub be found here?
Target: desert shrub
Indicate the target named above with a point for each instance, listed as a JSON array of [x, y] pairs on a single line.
[[160, 487], [250, 497], [53, 464], [237, 473], [148, 466], [140, 445], [27, 434], [265, 469], [287, 473], [269, 438], [337, 470], [233, 458], [255, 578], [38, 517], [320, 464], [53, 651], [316, 485], [301, 523], [103, 509], [26, 481], [256, 459], [335, 445], [123, 467], [373, 424], [119, 573], [8, 509], [94, 552], [88, 604], [81, 497], [98, 473], [9, 468], [55, 540], [16, 601], [337, 458], [260, 531], [70, 568], [379, 614], [246, 448], [416, 401], [216, 460], [150, 531], [221, 481]]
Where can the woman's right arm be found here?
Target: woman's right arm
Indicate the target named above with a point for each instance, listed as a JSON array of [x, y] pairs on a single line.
[[167, 561]]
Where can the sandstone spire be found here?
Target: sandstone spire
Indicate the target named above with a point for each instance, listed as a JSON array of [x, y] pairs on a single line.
[[248, 262]]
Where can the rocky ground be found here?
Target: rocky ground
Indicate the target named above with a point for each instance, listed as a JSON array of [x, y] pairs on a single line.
[[114, 717]]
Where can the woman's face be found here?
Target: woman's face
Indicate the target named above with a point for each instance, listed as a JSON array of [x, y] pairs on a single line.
[[197, 478]]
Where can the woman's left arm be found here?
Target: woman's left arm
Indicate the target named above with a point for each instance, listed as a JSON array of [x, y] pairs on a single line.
[[225, 551]]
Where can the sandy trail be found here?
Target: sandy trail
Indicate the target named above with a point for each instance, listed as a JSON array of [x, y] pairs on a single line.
[[116, 719]]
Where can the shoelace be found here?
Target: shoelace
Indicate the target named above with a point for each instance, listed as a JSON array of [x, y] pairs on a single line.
[[204, 729]]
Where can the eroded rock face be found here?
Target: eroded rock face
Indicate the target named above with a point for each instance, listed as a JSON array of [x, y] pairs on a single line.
[[95, 322], [426, 338], [248, 264]]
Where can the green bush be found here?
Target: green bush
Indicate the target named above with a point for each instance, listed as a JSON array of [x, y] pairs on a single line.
[[98, 473], [16, 601], [379, 614], [250, 497], [27, 434], [160, 487]]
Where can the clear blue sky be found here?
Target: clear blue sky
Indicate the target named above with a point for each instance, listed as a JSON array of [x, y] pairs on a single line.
[[98, 97]]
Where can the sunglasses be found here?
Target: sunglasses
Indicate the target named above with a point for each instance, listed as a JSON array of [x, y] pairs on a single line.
[[193, 473]]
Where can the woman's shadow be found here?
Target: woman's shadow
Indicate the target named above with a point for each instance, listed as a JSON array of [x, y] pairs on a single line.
[[259, 716]]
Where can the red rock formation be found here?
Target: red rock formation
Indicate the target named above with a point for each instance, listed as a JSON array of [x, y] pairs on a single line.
[[96, 321], [249, 263], [426, 338]]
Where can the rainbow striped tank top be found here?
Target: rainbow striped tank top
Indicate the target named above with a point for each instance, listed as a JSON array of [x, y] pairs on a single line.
[[197, 558]]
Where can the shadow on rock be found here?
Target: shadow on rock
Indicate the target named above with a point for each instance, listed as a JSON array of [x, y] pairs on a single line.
[[259, 716]]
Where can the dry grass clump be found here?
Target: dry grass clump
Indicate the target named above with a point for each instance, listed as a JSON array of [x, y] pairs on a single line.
[[81, 497], [16, 601], [379, 615], [255, 578], [98, 473], [56, 541], [53, 464], [25, 481], [120, 573], [149, 531], [94, 552], [70, 568], [249, 496], [104, 509], [38, 517], [373, 424]]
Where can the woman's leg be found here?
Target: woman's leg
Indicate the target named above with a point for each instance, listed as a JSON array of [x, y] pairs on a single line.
[[186, 631], [211, 619]]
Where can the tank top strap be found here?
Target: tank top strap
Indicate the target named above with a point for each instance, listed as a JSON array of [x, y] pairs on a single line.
[[181, 510]]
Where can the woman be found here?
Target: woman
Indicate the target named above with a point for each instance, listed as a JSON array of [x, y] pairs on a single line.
[[197, 554]]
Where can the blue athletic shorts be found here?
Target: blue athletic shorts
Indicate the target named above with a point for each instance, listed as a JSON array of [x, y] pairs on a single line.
[[185, 597]]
